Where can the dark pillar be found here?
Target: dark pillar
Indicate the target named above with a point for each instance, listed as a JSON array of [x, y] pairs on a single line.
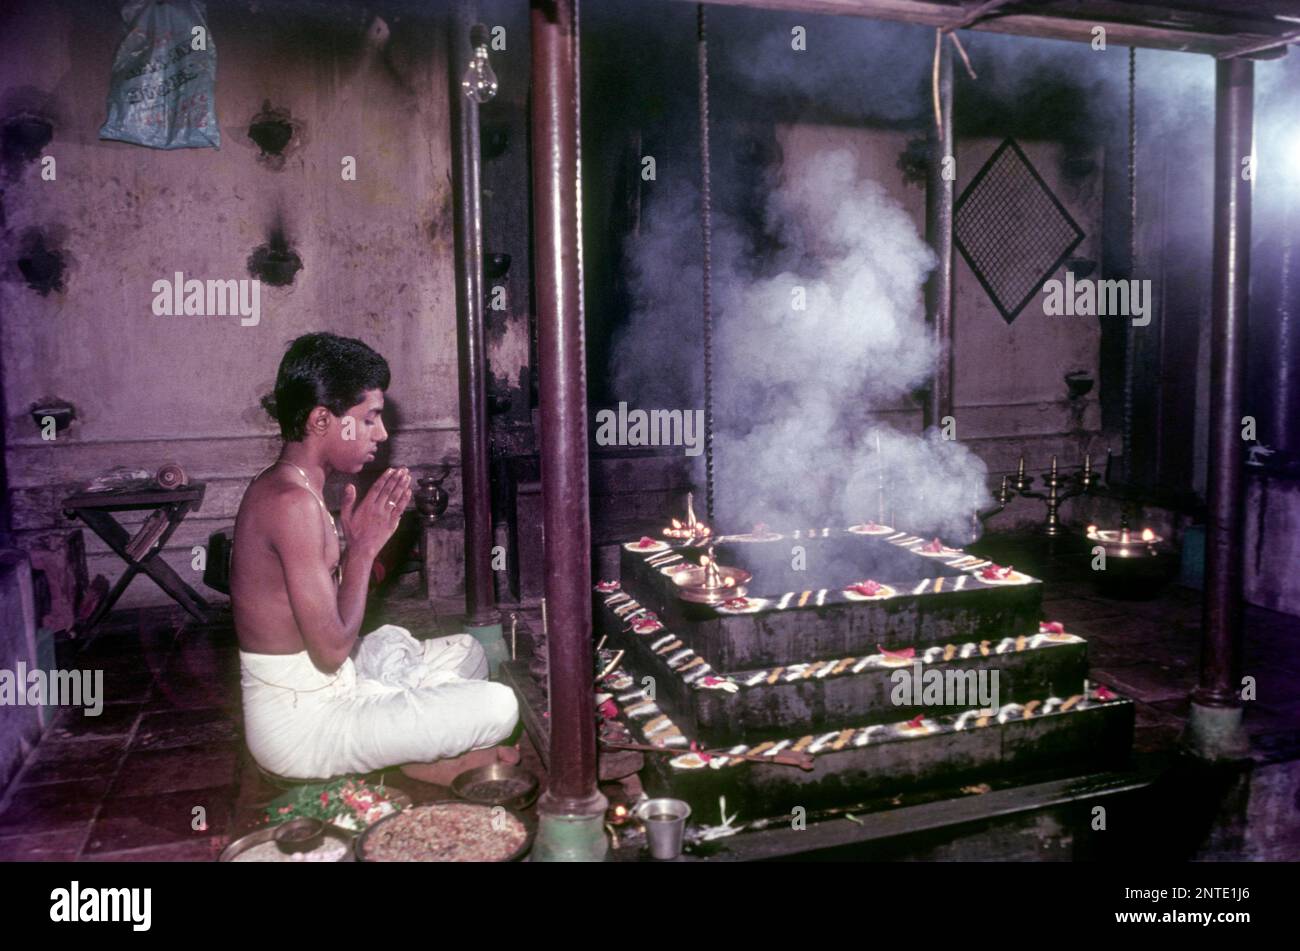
[[938, 234], [480, 599], [1274, 372], [572, 810], [1214, 729], [1284, 427]]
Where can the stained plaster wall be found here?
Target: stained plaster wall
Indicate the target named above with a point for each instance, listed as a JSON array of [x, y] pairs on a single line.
[[377, 256], [20, 725]]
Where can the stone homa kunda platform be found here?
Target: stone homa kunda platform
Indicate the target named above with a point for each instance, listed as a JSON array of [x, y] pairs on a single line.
[[809, 668]]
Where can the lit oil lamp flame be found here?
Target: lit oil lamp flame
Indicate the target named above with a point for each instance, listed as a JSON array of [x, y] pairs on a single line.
[[1092, 530], [690, 530], [1148, 535]]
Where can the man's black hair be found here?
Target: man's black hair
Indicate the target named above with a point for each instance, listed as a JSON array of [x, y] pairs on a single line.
[[322, 369]]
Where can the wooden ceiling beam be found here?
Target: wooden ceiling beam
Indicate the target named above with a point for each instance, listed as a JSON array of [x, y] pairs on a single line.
[[1199, 35], [974, 16], [1276, 45]]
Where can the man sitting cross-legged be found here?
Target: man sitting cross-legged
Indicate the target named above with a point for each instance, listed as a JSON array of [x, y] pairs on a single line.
[[318, 700]]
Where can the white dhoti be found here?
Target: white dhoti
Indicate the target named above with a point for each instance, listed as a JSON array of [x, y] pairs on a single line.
[[423, 701]]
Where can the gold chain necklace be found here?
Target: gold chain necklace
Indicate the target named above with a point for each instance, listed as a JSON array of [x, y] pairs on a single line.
[[338, 571]]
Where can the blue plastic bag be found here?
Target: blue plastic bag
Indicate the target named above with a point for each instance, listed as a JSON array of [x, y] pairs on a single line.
[[163, 89]]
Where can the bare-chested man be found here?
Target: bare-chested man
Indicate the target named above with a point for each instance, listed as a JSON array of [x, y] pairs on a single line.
[[318, 700]]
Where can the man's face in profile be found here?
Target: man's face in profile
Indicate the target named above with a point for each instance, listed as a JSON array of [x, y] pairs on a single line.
[[355, 441]]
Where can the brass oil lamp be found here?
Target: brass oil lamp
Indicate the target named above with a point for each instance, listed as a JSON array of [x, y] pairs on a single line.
[[710, 582]]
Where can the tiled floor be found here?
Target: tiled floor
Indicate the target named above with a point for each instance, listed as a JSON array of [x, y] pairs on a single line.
[[156, 770], [162, 773]]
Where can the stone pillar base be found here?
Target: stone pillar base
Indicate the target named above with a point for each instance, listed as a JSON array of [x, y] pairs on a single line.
[[492, 637], [1215, 734], [569, 834]]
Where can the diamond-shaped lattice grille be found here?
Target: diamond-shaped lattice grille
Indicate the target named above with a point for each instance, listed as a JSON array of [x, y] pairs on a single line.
[[1012, 230]]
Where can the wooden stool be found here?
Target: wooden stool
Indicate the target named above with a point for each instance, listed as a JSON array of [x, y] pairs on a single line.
[[168, 509]]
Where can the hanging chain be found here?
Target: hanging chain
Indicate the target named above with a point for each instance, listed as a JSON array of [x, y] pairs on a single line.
[[1130, 338], [706, 224], [1132, 160]]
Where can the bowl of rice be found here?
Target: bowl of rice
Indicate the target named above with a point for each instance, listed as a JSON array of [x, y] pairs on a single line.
[[335, 846], [447, 832]]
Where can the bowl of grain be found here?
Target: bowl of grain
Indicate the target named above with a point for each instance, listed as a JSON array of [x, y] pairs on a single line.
[[499, 784], [447, 832]]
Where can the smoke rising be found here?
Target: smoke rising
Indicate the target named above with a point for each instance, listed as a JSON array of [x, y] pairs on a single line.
[[811, 339], [796, 441]]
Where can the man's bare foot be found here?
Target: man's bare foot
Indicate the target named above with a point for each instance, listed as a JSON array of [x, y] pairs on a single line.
[[442, 772], [509, 755]]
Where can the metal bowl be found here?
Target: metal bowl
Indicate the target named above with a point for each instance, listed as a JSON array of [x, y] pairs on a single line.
[[1117, 545], [246, 842], [497, 785], [1136, 569], [530, 830], [299, 835]]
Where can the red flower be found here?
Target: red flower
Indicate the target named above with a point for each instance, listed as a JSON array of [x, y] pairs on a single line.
[[1051, 627], [1103, 694], [695, 748], [905, 652], [608, 710], [868, 588], [916, 720]]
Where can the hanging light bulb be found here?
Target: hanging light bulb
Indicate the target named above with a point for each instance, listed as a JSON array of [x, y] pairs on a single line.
[[479, 83]]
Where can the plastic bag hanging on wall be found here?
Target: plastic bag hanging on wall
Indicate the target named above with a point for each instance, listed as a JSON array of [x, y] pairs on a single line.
[[163, 89]]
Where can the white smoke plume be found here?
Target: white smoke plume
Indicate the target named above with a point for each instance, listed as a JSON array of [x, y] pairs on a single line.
[[796, 387], [796, 441]]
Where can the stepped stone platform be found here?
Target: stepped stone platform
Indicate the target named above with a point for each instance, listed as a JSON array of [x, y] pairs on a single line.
[[944, 674]]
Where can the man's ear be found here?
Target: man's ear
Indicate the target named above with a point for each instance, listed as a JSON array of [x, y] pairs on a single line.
[[318, 421]]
